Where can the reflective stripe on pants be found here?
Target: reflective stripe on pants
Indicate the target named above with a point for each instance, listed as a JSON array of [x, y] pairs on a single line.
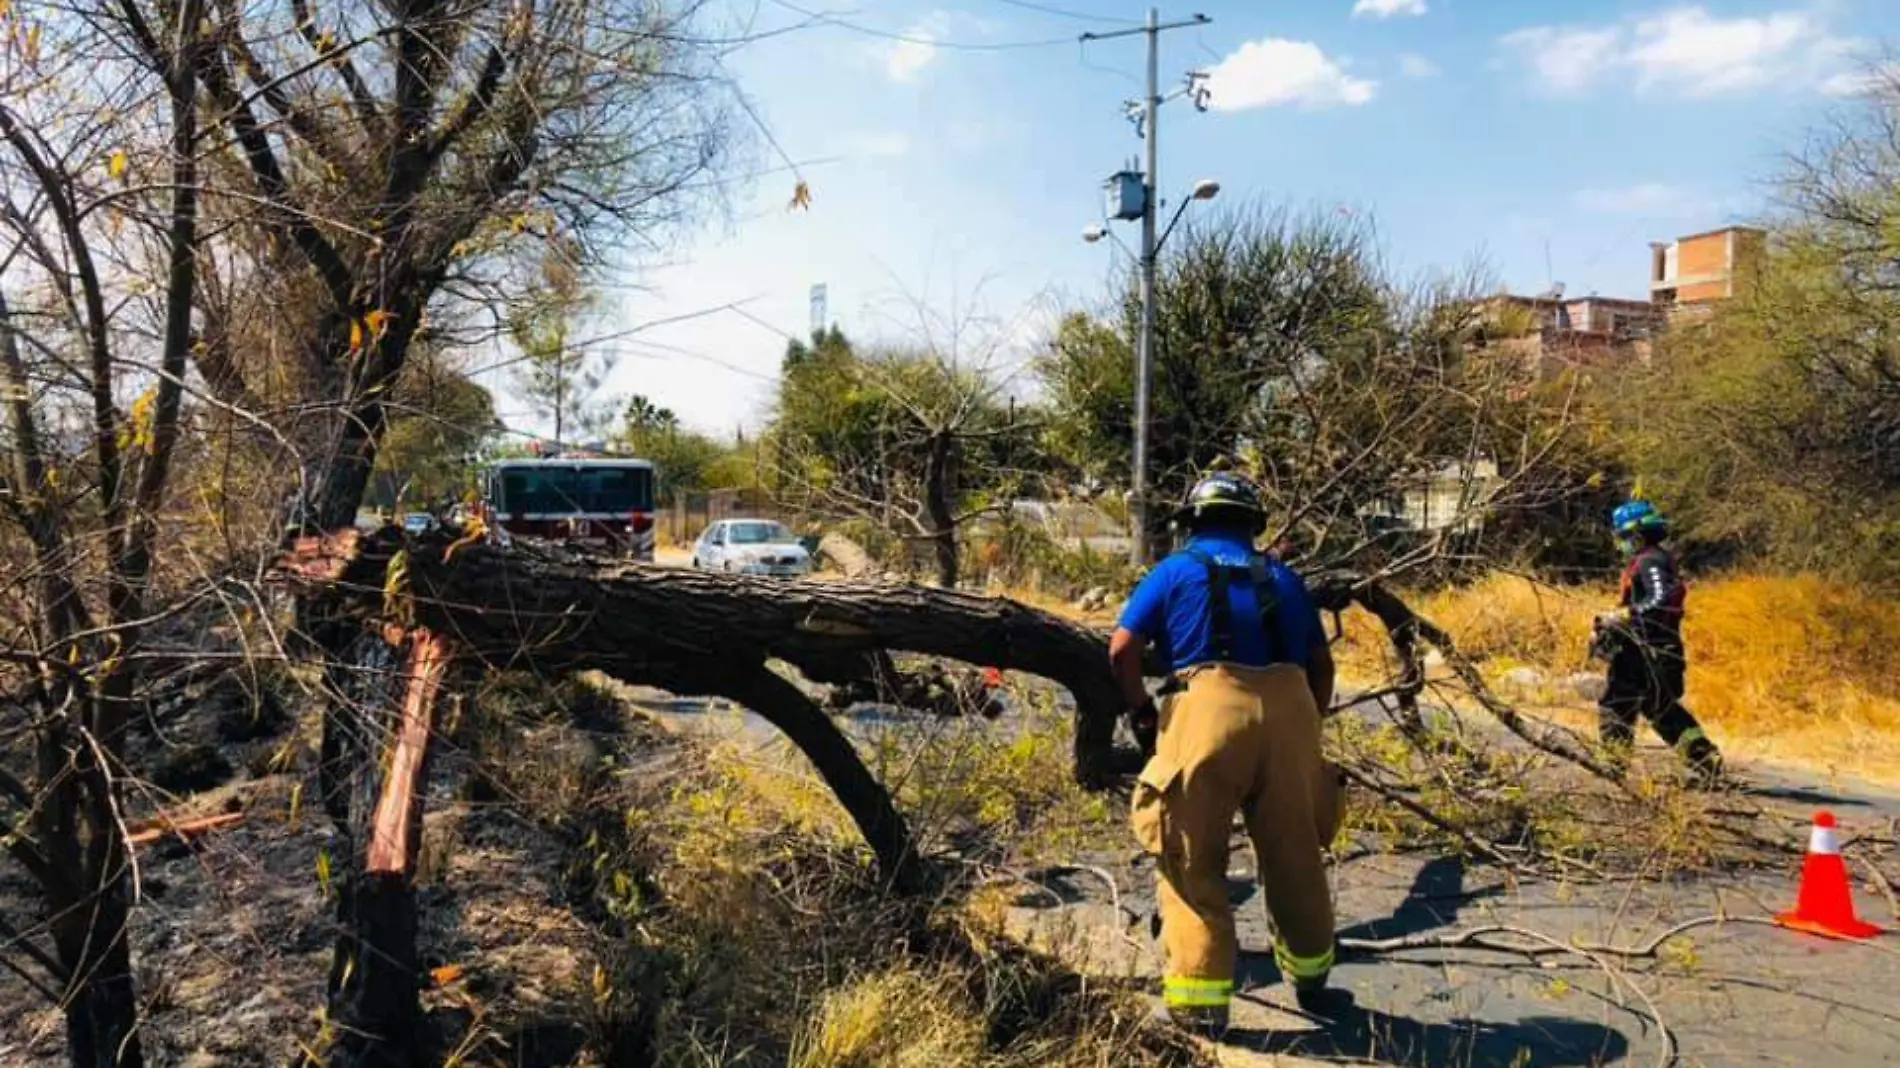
[[1198, 993], [1303, 971]]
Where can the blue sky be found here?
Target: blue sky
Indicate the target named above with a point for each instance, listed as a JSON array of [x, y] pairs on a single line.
[[949, 181]]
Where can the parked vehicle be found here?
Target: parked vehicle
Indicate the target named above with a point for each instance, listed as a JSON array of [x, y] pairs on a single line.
[[751, 547], [418, 523], [603, 502]]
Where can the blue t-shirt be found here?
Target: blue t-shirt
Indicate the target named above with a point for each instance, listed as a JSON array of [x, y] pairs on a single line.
[[1171, 608]]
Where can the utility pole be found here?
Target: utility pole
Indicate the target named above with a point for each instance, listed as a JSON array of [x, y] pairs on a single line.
[[1145, 334]]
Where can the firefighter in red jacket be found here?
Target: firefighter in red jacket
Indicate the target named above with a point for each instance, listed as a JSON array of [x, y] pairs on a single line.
[[1643, 641]]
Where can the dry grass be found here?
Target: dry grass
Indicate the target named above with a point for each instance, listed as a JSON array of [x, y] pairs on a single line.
[[1792, 669], [902, 1018], [737, 918]]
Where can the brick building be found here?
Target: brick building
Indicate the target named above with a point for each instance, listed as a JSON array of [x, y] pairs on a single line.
[[1551, 333], [1691, 274]]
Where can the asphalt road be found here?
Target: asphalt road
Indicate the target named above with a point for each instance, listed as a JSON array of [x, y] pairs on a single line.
[[1737, 994], [1734, 994]]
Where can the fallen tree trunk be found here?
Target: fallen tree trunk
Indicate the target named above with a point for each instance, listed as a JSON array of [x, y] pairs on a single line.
[[555, 611], [375, 773]]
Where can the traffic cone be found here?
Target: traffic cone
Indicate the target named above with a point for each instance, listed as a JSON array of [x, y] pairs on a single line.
[[992, 678], [1825, 905]]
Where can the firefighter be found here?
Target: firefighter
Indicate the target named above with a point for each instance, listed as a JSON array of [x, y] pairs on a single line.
[[1240, 633], [1647, 660]]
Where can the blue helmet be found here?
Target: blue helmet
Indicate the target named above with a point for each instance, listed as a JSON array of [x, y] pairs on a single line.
[[1637, 517]]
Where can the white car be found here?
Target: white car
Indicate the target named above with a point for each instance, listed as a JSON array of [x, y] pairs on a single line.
[[751, 547]]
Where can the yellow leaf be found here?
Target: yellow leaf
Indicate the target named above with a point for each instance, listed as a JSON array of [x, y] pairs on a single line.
[[356, 335], [446, 974], [116, 165], [323, 871], [376, 320], [325, 42], [140, 429], [296, 802], [33, 45], [801, 197], [113, 659], [6, 8], [601, 986]]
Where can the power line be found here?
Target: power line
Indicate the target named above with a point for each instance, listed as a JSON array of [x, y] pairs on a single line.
[[820, 18], [1064, 12]]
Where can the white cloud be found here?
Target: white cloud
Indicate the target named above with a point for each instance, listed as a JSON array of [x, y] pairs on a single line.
[[1385, 9], [1566, 58], [905, 59], [1275, 71], [1685, 50], [1413, 65], [1862, 82]]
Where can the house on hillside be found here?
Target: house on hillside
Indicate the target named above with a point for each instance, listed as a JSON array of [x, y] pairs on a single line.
[[1689, 276], [1552, 332]]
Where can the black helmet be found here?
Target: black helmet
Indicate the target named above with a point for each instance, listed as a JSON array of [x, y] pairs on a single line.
[[1224, 499]]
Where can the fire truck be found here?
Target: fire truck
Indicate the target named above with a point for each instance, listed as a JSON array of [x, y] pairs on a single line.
[[591, 500]]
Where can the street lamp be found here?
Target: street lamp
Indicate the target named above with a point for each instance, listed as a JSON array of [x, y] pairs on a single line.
[[1205, 189]]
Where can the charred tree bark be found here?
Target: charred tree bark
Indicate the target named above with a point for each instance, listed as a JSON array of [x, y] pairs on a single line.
[[102, 1013], [943, 521], [378, 694]]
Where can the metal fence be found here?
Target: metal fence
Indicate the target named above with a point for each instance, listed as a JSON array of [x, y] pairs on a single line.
[[692, 513]]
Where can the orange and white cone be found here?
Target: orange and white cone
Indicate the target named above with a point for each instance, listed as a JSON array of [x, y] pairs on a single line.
[[1825, 905]]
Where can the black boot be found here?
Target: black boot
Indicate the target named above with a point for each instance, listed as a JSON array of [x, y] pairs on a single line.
[[1705, 765]]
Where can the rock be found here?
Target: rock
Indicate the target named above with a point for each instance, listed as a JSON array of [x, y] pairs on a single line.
[[1524, 678], [847, 554], [1093, 599], [1588, 685]]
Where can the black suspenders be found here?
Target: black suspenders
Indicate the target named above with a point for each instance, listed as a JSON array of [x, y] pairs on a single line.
[[1220, 578]]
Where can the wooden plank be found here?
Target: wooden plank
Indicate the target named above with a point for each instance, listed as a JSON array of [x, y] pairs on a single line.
[[165, 826], [396, 826]]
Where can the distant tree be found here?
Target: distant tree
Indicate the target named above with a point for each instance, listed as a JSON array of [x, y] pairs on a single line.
[[445, 419], [906, 439], [688, 462], [644, 416], [1284, 351], [1773, 428], [558, 377]]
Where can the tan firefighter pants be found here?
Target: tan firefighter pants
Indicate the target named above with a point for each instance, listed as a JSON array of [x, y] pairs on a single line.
[[1238, 740]]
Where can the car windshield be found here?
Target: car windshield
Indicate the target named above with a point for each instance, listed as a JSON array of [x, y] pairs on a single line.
[[416, 519], [758, 534]]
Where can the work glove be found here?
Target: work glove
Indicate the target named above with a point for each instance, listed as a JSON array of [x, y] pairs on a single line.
[[1144, 722]]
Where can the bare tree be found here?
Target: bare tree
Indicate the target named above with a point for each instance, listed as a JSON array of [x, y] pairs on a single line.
[[1385, 427], [88, 476], [921, 442], [388, 173]]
